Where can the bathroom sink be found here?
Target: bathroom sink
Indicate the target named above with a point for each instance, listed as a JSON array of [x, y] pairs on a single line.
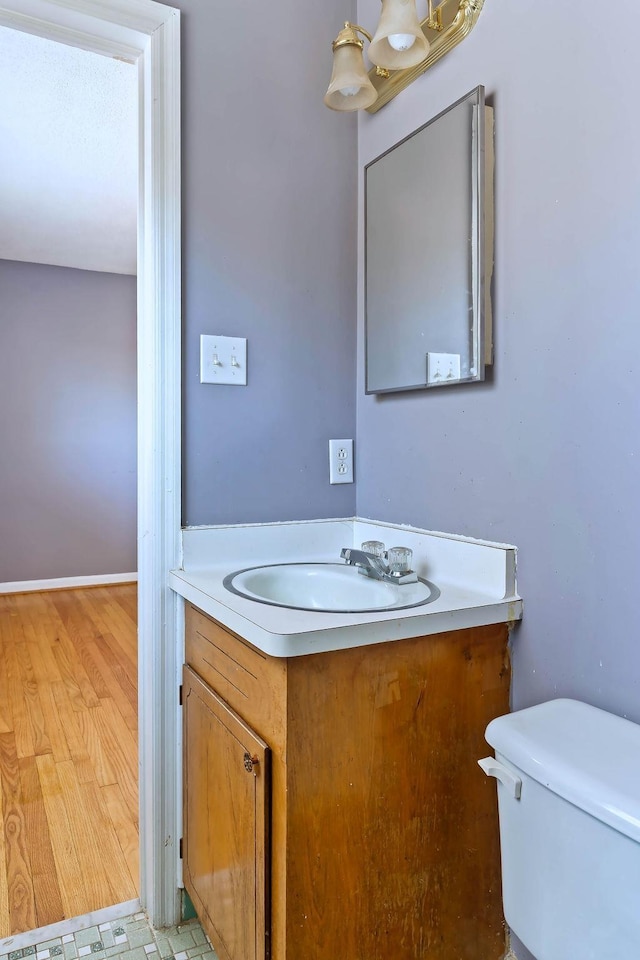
[[326, 588]]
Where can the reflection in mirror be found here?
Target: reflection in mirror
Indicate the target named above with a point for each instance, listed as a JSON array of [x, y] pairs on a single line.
[[428, 253]]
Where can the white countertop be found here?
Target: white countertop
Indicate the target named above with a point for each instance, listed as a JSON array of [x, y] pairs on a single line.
[[476, 581]]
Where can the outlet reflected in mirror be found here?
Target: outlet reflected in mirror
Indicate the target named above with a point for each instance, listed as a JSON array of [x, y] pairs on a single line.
[[429, 253]]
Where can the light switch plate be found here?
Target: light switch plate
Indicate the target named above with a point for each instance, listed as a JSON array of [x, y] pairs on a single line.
[[443, 368], [223, 360]]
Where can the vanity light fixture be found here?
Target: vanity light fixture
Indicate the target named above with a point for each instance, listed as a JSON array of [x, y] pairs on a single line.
[[401, 49], [399, 42], [350, 87]]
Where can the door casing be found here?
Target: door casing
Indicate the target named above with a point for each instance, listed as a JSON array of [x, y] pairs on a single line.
[[148, 33]]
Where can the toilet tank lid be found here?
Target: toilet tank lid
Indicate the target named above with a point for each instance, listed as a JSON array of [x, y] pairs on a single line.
[[586, 755]]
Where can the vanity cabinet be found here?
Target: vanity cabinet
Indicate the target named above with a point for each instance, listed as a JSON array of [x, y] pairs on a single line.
[[333, 803], [226, 800]]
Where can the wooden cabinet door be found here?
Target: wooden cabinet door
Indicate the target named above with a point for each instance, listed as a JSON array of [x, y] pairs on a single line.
[[226, 823]]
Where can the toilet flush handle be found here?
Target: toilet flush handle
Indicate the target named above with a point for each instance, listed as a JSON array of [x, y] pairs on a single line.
[[493, 768]]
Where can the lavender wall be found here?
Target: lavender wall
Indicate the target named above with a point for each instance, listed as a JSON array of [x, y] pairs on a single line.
[[269, 254], [67, 422], [544, 455]]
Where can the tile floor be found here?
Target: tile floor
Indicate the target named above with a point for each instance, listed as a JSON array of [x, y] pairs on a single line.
[[130, 938]]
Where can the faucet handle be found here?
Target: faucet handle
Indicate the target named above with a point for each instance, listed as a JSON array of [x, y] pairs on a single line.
[[375, 547], [400, 560]]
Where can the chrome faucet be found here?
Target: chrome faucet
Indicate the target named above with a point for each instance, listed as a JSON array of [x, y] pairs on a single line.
[[375, 567]]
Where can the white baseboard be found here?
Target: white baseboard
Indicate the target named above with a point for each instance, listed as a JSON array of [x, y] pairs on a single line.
[[67, 583]]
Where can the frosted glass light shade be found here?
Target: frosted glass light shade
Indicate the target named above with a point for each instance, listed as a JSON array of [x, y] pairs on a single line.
[[398, 17], [350, 87]]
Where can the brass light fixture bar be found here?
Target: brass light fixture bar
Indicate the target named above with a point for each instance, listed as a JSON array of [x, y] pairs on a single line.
[[444, 28], [434, 22]]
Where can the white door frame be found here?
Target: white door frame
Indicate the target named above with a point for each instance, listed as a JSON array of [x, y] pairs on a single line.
[[147, 33]]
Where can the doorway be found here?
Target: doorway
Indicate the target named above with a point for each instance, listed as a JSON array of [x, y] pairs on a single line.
[[69, 841], [147, 33]]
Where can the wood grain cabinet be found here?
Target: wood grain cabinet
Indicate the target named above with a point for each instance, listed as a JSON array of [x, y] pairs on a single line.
[[334, 809], [227, 811]]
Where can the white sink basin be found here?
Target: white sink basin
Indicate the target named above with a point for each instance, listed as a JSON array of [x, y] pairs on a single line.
[[326, 588]]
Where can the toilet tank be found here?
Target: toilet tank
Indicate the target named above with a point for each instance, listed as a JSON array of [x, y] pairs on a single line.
[[570, 843]]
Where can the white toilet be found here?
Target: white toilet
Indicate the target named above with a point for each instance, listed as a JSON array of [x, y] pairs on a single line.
[[569, 805]]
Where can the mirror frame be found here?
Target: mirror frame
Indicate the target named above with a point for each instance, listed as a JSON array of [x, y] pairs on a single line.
[[482, 178]]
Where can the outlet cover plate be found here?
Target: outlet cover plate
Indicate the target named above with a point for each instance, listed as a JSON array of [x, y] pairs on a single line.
[[223, 360], [340, 461]]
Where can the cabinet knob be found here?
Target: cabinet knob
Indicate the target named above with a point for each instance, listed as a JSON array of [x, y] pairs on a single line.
[[250, 762]]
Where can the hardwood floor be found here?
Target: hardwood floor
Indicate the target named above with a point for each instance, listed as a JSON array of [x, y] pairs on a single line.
[[68, 754]]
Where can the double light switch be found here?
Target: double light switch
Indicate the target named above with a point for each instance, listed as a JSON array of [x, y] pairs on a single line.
[[223, 360]]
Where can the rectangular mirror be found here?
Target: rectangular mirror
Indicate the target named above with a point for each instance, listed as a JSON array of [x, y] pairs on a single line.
[[429, 253]]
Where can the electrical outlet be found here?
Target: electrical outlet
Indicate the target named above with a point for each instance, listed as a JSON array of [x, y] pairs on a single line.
[[340, 461]]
